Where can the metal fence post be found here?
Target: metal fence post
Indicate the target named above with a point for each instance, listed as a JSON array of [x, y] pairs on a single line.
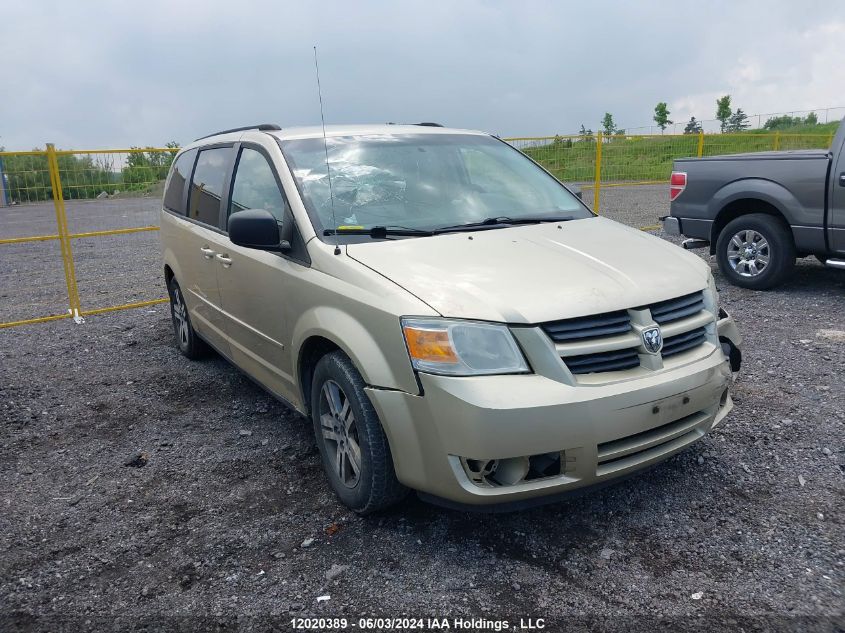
[[777, 141], [700, 143], [597, 183], [64, 240]]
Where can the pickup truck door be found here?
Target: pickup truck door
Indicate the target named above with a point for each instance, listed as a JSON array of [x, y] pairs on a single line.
[[836, 210]]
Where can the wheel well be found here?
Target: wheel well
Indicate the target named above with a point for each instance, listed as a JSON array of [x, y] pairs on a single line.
[[168, 274], [312, 350], [737, 208]]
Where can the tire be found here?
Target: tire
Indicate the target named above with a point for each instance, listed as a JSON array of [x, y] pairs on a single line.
[[191, 345], [350, 438], [755, 251]]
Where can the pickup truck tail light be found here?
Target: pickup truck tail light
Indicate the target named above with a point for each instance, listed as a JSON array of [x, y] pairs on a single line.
[[677, 183]]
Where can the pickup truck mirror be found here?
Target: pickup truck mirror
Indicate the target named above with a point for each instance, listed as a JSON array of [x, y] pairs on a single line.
[[256, 228], [576, 191]]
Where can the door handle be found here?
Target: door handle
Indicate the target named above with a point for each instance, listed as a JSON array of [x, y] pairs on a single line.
[[842, 179], [207, 252], [224, 259]]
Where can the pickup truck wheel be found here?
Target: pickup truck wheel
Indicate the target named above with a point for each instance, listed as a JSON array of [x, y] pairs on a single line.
[[353, 447], [191, 345], [755, 251]]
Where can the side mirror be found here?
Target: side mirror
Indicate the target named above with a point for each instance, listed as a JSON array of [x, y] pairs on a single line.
[[256, 228], [576, 191]]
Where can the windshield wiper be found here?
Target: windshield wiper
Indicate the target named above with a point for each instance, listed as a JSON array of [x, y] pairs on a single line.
[[503, 221], [379, 232]]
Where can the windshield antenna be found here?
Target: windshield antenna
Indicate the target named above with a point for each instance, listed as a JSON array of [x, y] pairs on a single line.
[[326, 149]]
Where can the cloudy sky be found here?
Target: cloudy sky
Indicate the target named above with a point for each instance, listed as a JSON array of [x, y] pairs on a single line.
[[111, 74]]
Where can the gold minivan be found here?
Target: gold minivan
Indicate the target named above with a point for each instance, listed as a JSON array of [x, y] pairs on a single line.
[[451, 318]]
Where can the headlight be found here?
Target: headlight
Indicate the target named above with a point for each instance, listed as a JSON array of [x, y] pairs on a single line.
[[462, 348]]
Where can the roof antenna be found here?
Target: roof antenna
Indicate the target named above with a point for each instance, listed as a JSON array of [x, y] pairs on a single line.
[[326, 149]]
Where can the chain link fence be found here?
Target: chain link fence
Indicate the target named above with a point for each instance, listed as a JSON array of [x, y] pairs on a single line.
[[596, 161], [77, 232]]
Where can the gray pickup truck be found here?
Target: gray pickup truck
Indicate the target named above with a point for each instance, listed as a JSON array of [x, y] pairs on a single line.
[[757, 212]]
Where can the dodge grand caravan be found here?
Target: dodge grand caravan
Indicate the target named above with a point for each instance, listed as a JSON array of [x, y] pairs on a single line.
[[450, 317]]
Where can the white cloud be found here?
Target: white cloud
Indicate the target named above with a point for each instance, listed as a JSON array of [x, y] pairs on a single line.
[[108, 74]]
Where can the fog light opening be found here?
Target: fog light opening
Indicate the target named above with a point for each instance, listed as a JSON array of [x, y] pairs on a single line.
[[514, 470], [511, 471], [479, 470], [545, 465], [724, 399]]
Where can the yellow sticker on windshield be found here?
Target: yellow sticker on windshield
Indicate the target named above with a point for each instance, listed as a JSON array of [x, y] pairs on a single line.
[[349, 227]]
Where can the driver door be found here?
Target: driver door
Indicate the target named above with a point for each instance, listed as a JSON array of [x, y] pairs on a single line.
[[255, 284]]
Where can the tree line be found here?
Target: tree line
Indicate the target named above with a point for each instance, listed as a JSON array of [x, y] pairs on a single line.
[[84, 176], [729, 121]]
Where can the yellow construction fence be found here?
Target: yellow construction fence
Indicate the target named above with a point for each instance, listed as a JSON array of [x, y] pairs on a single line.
[[77, 228]]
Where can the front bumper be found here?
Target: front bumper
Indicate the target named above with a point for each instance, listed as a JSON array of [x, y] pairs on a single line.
[[601, 432]]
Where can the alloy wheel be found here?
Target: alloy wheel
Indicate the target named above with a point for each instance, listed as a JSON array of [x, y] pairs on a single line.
[[748, 253], [340, 434], [180, 317]]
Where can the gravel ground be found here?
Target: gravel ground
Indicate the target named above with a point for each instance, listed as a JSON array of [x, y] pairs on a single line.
[[141, 490], [110, 270]]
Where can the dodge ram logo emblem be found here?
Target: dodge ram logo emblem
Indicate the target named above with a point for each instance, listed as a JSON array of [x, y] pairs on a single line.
[[653, 339]]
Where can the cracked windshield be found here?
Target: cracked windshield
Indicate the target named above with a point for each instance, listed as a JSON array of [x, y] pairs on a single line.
[[424, 181]]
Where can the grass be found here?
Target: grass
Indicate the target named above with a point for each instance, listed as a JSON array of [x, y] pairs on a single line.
[[649, 158]]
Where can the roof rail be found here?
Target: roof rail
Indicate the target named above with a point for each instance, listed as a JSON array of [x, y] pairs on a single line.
[[264, 127], [424, 124]]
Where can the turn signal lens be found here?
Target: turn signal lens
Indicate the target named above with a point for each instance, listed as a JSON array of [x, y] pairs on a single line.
[[429, 345], [462, 348]]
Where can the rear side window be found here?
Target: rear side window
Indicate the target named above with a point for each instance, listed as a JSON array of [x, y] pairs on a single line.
[[175, 186], [207, 185], [255, 186]]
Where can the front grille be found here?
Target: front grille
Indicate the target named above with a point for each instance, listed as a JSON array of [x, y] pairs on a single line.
[[640, 447], [676, 309], [588, 327], [682, 342], [607, 342], [603, 361]]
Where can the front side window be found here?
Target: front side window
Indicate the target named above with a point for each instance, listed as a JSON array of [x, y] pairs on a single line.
[[255, 186], [175, 186], [422, 181], [207, 185]]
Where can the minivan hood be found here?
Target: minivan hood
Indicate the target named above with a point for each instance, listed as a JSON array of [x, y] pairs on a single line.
[[538, 272]]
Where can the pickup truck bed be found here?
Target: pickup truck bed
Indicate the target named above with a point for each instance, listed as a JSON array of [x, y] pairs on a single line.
[[759, 211]]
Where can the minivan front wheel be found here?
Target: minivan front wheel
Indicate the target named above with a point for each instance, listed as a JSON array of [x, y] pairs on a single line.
[[755, 251], [191, 345], [353, 447]]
